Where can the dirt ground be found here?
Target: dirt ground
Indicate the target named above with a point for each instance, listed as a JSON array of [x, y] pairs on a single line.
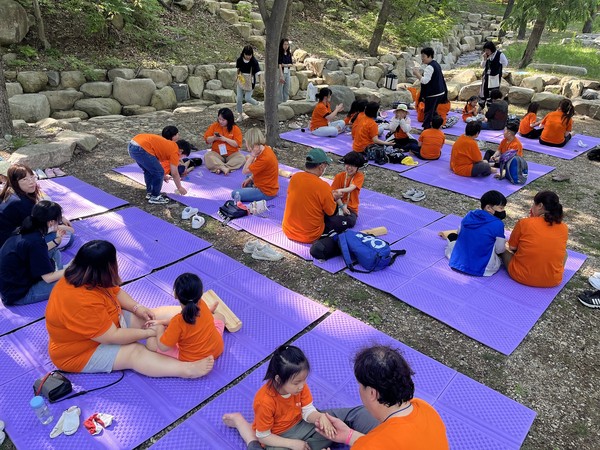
[[554, 371]]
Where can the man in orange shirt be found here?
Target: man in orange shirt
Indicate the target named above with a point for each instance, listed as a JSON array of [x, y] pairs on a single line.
[[311, 205], [148, 150], [386, 390], [466, 159]]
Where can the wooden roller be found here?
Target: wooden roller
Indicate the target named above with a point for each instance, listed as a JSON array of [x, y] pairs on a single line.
[[445, 234], [232, 323], [285, 173], [377, 231]]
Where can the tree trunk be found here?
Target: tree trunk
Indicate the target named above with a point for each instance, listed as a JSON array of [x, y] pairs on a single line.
[[273, 23], [285, 29], [522, 28], [587, 26], [39, 21], [533, 42], [382, 19], [6, 127], [507, 12]]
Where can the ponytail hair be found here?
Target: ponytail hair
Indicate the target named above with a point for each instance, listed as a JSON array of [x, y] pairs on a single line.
[[287, 361], [552, 206], [323, 94], [42, 213], [188, 290], [567, 109]]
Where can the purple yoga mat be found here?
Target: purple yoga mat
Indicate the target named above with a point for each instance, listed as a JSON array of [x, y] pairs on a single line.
[[496, 311], [569, 151], [438, 174], [143, 406], [473, 414], [77, 198]]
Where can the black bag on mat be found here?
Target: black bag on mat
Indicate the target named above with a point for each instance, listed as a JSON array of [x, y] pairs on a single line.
[[230, 211]]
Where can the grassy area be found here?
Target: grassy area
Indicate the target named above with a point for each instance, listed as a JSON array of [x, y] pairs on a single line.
[[495, 7]]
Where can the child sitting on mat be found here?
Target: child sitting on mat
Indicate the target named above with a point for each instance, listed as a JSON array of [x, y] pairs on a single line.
[[196, 332], [472, 110], [466, 159], [529, 122], [431, 141], [480, 240], [509, 146], [284, 414], [348, 185]]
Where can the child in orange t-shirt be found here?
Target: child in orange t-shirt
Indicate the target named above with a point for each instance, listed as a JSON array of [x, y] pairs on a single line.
[[471, 111], [466, 159], [284, 414], [348, 185], [367, 132], [509, 146], [557, 125], [431, 141], [529, 122], [194, 334]]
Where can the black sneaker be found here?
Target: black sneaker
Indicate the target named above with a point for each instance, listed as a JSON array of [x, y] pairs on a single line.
[[158, 200], [148, 195], [591, 299]]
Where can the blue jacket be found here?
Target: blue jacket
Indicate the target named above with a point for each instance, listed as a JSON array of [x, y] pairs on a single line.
[[476, 242]]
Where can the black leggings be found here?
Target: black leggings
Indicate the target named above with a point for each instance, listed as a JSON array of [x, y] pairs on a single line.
[[533, 134], [562, 144]]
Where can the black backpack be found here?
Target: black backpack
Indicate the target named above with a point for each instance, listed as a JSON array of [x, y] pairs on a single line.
[[230, 211], [594, 154], [376, 153]]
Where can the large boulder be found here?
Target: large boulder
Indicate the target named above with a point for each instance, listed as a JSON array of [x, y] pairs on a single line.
[[137, 110], [62, 100], [72, 114], [332, 65], [465, 77], [334, 77], [98, 106], [515, 78], [182, 91], [126, 74], [164, 98], [359, 69], [229, 16], [179, 73], [342, 94], [29, 107], [160, 77], [14, 23], [590, 94], [228, 77], [373, 73], [50, 154], [294, 85], [97, 89], [258, 42], [206, 71], [553, 88], [301, 106], [550, 79], [303, 76], [572, 88], [590, 108], [547, 100], [368, 84], [535, 82], [32, 81], [300, 55], [13, 89], [315, 65], [196, 85], [569, 70], [219, 95], [469, 90], [388, 96], [352, 80], [284, 112], [138, 91], [86, 141], [453, 89], [520, 95], [213, 85], [367, 94], [71, 79]]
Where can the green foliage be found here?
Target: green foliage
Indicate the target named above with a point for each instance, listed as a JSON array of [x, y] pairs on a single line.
[[244, 10], [424, 28], [17, 142], [558, 13], [17, 63], [27, 51]]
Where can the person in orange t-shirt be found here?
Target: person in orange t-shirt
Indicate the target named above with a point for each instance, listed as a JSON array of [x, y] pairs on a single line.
[[94, 326], [225, 140], [284, 414], [431, 141], [529, 122], [348, 184], [356, 108], [311, 205], [386, 389], [466, 159], [148, 150], [322, 122], [509, 146], [557, 125], [367, 131], [195, 333], [538, 244], [471, 109], [261, 168]]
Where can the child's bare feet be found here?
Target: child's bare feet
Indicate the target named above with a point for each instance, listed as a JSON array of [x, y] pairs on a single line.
[[237, 421], [202, 367], [226, 170]]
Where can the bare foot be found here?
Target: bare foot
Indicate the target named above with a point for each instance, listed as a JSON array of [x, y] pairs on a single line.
[[226, 170], [237, 421], [202, 367], [216, 171]]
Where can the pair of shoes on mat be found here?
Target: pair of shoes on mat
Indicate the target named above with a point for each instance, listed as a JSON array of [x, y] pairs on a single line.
[[414, 194], [591, 299], [595, 280], [68, 422], [261, 251]]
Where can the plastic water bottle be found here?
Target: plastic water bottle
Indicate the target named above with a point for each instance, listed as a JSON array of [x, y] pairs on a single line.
[[42, 412], [237, 198]]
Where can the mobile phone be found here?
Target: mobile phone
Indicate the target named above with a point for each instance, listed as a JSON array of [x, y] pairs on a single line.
[[217, 134]]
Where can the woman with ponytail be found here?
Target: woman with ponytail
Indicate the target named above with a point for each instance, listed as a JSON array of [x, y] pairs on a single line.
[[27, 271], [196, 332], [557, 125], [538, 244]]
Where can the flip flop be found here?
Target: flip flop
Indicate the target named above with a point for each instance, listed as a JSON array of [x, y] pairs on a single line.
[[58, 172], [49, 173]]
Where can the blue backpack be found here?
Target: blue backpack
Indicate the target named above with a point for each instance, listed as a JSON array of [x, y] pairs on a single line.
[[514, 169], [369, 251]]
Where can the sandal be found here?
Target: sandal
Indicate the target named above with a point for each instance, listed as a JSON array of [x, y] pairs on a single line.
[[560, 177]]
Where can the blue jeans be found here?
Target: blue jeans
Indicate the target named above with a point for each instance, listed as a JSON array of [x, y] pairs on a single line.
[[244, 95], [334, 128], [40, 291], [285, 88], [153, 171], [251, 194]]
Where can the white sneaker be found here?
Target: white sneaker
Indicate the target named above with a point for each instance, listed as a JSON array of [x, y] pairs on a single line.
[[251, 246], [189, 212], [595, 280], [266, 253], [258, 207], [408, 194], [197, 221], [40, 174], [240, 117], [418, 196]]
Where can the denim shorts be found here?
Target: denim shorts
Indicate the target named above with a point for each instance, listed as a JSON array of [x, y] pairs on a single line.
[[103, 358]]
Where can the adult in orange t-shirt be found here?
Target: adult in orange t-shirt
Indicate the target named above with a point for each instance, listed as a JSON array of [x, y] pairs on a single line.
[[310, 202], [538, 244], [529, 122], [356, 108], [193, 334], [466, 159], [367, 130], [557, 125], [148, 150], [405, 423], [261, 168], [225, 140], [348, 184], [322, 122], [431, 141], [93, 325]]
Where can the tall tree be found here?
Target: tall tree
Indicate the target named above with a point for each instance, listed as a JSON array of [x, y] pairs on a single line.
[[509, 7], [589, 23], [273, 20], [6, 126], [287, 19], [382, 18], [39, 22]]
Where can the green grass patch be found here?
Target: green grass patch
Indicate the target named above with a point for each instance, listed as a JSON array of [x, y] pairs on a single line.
[[572, 54], [495, 7]]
